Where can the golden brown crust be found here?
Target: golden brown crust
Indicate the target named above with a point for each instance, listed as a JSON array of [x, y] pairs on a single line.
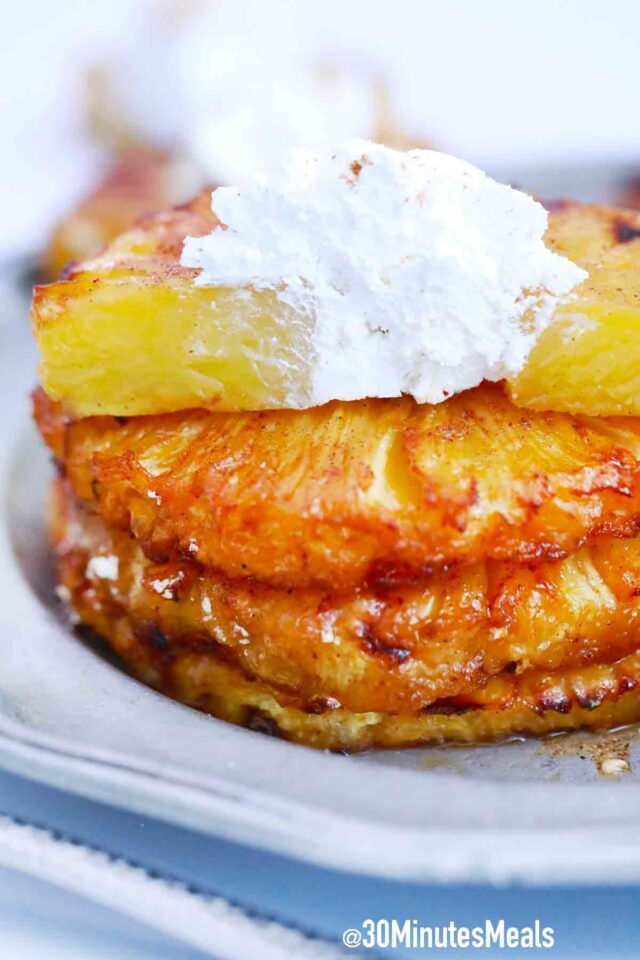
[[555, 638], [350, 493], [207, 682]]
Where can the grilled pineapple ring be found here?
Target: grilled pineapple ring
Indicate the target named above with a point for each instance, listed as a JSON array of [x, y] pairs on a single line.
[[129, 333], [350, 491], [456, 656]]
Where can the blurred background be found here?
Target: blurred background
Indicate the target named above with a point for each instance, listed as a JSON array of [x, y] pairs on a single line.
[[112, 108]]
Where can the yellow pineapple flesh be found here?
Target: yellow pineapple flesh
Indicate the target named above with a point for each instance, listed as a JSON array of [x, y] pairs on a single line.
[[129, 333], [588, 360]]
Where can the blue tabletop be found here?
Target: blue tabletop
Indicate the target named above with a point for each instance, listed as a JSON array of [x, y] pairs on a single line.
[[589, 922]]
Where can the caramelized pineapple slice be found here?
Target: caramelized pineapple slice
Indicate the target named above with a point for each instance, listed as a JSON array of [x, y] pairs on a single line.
[[588, 360], [129, 333]]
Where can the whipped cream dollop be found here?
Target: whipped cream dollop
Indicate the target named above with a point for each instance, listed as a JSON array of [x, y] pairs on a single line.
[[416, 273]]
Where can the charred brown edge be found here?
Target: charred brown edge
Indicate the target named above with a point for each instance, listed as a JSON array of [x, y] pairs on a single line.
[[625, 231], [374, 646], [261, 722]]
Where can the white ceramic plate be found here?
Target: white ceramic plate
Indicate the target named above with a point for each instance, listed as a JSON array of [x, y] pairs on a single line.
[[73, 719]]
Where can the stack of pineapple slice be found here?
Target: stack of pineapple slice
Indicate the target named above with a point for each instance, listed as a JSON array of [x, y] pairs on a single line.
[[370, 574]]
